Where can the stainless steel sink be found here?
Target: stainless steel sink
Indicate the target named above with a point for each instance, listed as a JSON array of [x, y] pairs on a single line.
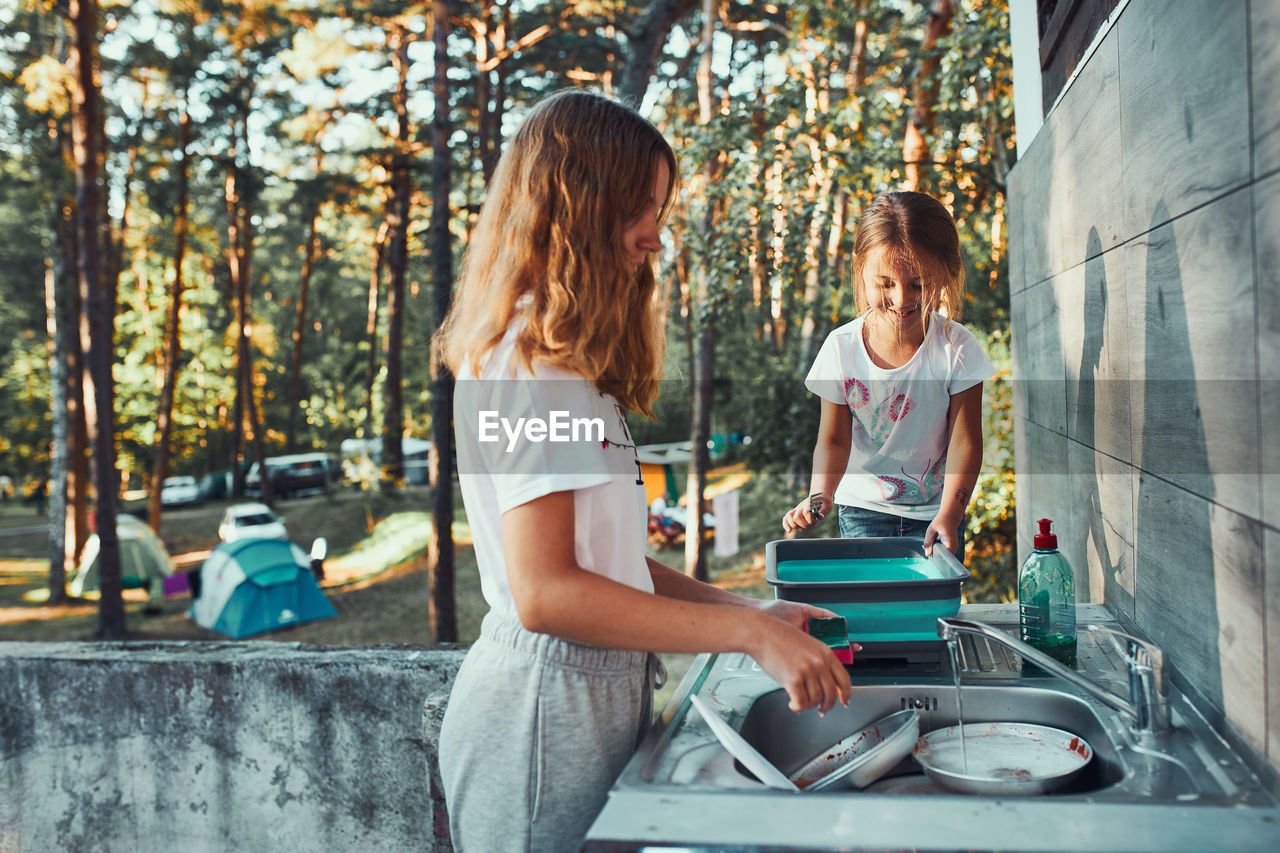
[[789, 740], [1187, 789]]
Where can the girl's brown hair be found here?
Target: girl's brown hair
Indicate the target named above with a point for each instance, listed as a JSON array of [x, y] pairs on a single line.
[[919, 233], [579, 170]]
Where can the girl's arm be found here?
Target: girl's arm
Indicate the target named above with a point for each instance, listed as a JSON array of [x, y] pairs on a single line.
[[964, 460], [830, 458], [669, 583], [554, 595]]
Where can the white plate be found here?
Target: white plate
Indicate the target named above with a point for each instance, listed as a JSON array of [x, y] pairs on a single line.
[[1002, 758], [741, 750]]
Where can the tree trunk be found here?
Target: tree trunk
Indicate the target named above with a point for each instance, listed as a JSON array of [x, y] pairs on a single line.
[[915, 149], [644, 43], [371, 324], [500, 86], [239, 257], [231, 193], [443, 614], [173, 340], [256, 425], [393, 404], [779, 316], [695, 545], [96, 312], [481, 26], [61, 327], [113, 243], [77, 400], [62, 309], [821, 186], [299, 326]]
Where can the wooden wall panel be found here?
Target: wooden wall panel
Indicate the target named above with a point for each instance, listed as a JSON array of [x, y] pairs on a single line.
[[1087, 161], [1181, 530], [1031, 206], [1264, 47], [1067, 187], [1266, 230], [1191, 341], [1199, 596], [1044, 485], [1092, 303], [1039, 375], [1185, 115], [1271, 642]]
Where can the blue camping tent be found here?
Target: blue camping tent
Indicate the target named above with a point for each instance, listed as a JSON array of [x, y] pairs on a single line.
[[256, 585]]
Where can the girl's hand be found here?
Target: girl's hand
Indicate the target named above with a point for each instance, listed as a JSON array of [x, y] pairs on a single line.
[[807, 513], [794, 613], [941, 530], [805, 667]]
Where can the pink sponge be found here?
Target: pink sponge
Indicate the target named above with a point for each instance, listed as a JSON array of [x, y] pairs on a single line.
[[834, 631]]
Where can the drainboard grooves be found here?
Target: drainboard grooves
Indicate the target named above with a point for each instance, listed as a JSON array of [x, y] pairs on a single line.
[[982, 651], [979, 655], [1008, 661], [1094, 653]]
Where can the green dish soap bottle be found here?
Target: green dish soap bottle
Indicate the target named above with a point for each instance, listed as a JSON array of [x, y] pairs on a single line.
[[1047, 599]]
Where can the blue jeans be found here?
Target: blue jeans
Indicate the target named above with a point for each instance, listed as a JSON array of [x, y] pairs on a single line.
[[858, 522]]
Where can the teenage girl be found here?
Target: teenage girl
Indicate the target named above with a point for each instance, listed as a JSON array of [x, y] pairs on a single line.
[[555, 332], [900, 438]]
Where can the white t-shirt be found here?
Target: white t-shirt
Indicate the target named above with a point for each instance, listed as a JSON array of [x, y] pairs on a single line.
[[898, 454], [572, 438]]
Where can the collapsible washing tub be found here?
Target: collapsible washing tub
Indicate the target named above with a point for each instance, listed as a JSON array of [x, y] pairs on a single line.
[[890, 594]]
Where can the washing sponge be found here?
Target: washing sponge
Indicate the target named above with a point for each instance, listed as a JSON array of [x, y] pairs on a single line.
[[833, 631]]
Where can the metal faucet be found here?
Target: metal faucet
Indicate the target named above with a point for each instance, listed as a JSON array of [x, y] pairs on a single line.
[[1148, 705]]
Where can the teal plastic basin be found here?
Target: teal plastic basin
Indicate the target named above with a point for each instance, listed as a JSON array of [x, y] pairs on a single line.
[[890, 594]]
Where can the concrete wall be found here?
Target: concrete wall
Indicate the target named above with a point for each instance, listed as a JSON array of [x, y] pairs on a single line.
[[210, 746], [1145, 267]]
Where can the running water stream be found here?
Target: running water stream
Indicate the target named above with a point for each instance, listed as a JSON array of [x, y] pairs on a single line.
[[954, 648]]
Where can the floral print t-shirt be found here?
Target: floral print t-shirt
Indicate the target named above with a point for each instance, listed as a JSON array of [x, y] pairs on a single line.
[[898, 454]]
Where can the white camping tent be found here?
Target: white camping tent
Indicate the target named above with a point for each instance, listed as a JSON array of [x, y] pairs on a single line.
[[144, 561]]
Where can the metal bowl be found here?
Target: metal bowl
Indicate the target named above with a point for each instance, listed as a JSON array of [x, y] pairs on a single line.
[[1001, 759], [862, 757]]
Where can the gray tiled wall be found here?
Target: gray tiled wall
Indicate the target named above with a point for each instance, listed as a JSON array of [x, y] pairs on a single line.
[[1145, 287]]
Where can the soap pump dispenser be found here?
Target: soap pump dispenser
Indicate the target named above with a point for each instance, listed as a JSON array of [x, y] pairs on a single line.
[[1047, 599]]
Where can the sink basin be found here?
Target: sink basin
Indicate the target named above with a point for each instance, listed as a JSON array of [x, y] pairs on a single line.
[[1191, 788], [788, 739]]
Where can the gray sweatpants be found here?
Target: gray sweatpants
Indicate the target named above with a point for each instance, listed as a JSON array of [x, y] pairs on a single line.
[[536, 731]]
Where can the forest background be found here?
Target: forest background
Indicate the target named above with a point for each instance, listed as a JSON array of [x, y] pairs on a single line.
[[228, 228]]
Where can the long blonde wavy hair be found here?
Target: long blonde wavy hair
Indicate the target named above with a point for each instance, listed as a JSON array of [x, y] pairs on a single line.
[[579, 170], [919, 233]]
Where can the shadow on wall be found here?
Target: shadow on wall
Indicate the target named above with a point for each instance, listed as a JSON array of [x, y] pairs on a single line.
[[1106, 576], [1176, 598]]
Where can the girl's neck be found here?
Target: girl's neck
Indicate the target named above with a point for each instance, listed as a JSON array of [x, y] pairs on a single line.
[[888, 345]]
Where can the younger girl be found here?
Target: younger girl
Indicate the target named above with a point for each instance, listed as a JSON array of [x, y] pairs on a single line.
[[900, 439], [556, 331]]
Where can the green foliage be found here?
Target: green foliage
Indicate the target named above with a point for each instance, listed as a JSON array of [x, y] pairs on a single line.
[[804, 133], [991, 519], [993, 504]]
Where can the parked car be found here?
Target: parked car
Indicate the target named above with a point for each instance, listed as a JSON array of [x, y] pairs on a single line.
[[215, 485], [180, 491], [251, 521], [294, 474]]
